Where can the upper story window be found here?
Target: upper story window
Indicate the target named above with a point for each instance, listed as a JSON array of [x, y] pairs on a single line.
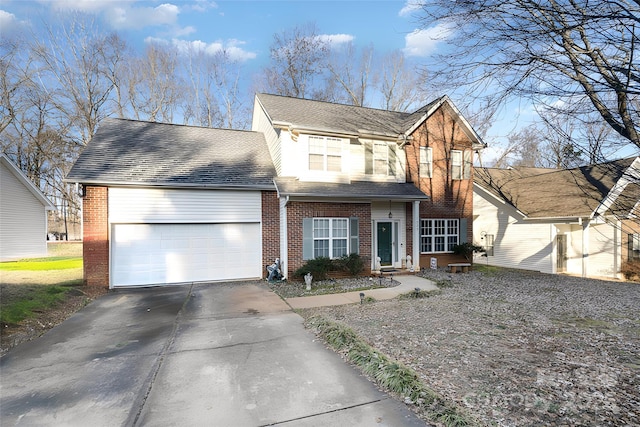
[[325, 154], [460, 164], [380, 158], [426, 162]]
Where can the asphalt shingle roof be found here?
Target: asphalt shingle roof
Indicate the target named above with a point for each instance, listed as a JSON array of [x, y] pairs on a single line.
[[348, 119], [355, 190], [145, 153], [540, 193]]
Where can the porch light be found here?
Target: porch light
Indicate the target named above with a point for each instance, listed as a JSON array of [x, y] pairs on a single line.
[[390, 214]]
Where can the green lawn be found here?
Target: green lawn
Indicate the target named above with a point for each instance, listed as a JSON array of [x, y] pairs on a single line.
[[31, 286], [40, 264]]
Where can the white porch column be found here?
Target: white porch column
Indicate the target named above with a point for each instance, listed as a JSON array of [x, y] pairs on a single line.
[[416, 235], [585, 246], [284, 250]]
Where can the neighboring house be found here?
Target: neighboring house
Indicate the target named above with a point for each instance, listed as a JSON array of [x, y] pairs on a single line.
[[580, 221], [23, 214], [169, 204]]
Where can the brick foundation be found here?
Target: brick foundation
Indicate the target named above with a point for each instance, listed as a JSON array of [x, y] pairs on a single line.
[[270, 229]]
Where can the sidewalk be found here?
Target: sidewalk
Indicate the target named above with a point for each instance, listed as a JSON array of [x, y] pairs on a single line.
[[407, 284]]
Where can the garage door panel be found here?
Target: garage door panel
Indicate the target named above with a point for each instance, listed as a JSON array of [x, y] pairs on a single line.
[[146, 254]]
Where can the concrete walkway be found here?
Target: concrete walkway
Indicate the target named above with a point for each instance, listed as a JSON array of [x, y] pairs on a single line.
[[407, 284]]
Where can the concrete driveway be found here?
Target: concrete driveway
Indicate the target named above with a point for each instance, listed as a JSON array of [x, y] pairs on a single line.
[[207, 354]]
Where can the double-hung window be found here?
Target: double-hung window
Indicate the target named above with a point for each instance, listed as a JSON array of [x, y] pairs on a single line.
[[426, 162], [330, 237], [325, 154], [634, 247], [460, 164], [438, 235]]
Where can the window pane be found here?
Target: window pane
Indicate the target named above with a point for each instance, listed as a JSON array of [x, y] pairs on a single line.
[[340, 228], [456, 164], [339, 247], [439, 244], [439, 226], [316, 145], [451, 242], [452, 226], [425, 244], [320, 228], [334, 146], [321, 248], [334, 164], [316, 162]]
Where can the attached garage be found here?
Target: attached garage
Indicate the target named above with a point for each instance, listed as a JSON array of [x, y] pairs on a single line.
[[169, 236], [170, 204]]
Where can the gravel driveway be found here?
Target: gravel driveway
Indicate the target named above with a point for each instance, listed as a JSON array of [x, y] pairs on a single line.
[[517, 348]]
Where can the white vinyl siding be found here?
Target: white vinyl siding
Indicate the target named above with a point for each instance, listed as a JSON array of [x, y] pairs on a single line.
[[262, 123], [135, 205], [23, 219]]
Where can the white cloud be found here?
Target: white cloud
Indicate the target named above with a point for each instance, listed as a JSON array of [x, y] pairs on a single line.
[[411, 6], [424, 41], [7, 20], [335, 39], [231, 47], [127, 17]]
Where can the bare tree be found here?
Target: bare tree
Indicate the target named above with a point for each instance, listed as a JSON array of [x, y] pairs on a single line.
[[297, 56], [583, 53], [352, 72], [154, 86], [77, 60], [401, 87]]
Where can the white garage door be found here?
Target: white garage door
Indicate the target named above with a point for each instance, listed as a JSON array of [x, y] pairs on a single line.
[[152, 254]]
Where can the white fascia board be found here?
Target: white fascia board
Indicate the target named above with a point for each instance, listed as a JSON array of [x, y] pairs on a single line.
[[20, 176], [485, 194], [478, 144], [631, 175]]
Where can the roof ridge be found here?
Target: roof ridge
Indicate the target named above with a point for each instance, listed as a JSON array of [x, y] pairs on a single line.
[[336, 103]]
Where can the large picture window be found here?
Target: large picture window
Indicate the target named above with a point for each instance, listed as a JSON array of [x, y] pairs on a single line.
[[325, 154], [438, 235], [330, 237]]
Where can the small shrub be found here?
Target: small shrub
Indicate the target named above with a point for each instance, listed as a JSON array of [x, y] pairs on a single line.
[[467, 250], [631, 270], [352, 263], [319, 268], [419, 294]]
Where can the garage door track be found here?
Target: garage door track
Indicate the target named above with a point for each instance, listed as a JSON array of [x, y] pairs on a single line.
[[206, 354]]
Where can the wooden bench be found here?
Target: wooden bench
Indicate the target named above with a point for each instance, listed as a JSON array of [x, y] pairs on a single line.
[[463, 266]]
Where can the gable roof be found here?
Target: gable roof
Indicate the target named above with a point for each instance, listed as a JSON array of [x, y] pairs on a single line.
[[129, 152], [549, 193], [24, 180], [351, 120]]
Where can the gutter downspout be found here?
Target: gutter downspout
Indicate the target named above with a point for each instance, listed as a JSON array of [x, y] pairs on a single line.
[[585, 246], [284, 249]]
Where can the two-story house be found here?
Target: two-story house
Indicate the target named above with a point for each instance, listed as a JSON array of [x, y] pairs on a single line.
[[170, 204]]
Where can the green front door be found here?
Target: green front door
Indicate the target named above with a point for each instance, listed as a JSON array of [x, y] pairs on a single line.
[[385, 243]]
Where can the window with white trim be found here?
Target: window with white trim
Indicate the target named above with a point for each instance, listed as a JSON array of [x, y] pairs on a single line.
[[438, 235], [426, 162], [381, 161], [330, 237], [325, 154], [634, 246], [460, 164]]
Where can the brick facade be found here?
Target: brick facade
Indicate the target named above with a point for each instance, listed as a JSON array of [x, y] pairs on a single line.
[[296, 211], [95, 246], [450, 198], [270, 229]]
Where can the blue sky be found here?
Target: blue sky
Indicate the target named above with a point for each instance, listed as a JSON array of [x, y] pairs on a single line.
[[243, 27]]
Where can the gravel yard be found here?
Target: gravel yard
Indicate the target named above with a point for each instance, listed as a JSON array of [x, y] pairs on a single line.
[[516, 348]]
